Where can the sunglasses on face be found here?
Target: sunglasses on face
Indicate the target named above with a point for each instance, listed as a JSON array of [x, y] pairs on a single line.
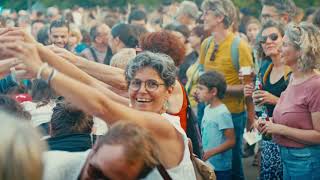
[[150, 85], [273, 37]]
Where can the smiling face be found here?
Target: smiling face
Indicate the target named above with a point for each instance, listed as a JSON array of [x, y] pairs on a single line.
[[146, 100], [271, 47], [59, 36], [289, 54]]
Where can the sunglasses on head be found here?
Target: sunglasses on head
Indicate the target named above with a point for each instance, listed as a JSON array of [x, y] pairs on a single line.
[[273, 37]]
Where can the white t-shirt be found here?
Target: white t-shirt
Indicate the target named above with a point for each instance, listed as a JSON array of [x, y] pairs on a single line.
[[41, 114], [62, 165], [185, 168]]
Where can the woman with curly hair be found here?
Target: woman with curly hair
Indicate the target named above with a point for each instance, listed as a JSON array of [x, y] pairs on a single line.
[[296, 117], [275, 77], [167, 43]]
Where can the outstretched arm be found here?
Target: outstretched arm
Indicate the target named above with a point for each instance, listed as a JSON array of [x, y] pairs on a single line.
[[107, 74], [90, 99]]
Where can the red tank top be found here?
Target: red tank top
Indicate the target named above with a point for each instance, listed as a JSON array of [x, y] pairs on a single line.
[[183, 111]]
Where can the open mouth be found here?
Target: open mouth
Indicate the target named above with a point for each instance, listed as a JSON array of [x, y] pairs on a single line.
[[143, 100]]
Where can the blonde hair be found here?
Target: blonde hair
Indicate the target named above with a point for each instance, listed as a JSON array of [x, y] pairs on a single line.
[[20, 150], [74, 30], [305, 37], [122, 58]]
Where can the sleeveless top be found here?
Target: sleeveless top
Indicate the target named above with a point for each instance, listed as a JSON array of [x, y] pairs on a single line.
[[185, 168], [183, 111]]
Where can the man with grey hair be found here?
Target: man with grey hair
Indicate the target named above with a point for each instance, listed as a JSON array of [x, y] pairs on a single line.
[[187, 14], [99, 51], [217, 53], [278, 10]]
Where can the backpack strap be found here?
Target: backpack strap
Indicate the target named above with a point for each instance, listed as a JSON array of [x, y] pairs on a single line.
[[201, 66], [93, 54], [208, 44], [235, 52], [163, 172], [108, 56]]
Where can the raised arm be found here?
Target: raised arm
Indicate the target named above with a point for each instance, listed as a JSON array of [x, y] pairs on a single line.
[[90, 99], [107, 74]]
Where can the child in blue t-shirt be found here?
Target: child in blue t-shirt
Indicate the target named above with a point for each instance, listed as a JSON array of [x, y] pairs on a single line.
[[218, 136]]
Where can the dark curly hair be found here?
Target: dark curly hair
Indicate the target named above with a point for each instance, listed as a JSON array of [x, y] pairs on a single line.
[[67, 119], [214, 79], [269, 24], [164, 42]]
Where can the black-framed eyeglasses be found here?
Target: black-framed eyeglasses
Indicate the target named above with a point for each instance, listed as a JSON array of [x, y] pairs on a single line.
[[150, 85], [272, 36], [215, 50]]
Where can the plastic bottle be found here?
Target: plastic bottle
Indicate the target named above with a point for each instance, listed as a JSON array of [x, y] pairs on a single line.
[[258, 86], [264, 117]]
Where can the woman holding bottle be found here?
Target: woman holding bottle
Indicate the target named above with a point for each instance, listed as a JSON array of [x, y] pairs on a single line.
[[296, 126], [274, 78]]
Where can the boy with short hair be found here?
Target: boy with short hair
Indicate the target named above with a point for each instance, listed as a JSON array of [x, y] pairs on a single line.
[[218, 135]]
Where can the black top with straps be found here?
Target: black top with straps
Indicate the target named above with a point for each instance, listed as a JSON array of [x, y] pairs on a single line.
[[107, 57]]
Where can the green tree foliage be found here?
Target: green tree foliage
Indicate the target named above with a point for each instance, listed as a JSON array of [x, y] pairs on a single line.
[[253, 5]]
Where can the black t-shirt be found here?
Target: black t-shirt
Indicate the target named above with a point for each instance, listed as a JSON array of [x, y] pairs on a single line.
[[276, 88]]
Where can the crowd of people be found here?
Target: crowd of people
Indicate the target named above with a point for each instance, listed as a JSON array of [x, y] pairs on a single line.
[[107, 94]]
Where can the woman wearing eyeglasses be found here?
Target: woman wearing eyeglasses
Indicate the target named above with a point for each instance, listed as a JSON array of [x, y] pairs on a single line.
[[296, 126], [150, 77], [274, 76]]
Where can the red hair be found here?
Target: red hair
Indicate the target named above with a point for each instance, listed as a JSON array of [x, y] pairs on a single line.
[[164, 42]]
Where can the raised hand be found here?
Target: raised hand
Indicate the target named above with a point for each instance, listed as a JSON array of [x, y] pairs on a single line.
[[22, 34], [6, 65], [27, 53], [65, 54]]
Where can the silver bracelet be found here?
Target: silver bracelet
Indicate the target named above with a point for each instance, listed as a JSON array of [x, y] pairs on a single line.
[[42, 67]]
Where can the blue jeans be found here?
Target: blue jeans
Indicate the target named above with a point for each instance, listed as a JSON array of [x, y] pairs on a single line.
[[300, 163], [224, 175], [239, 123]]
